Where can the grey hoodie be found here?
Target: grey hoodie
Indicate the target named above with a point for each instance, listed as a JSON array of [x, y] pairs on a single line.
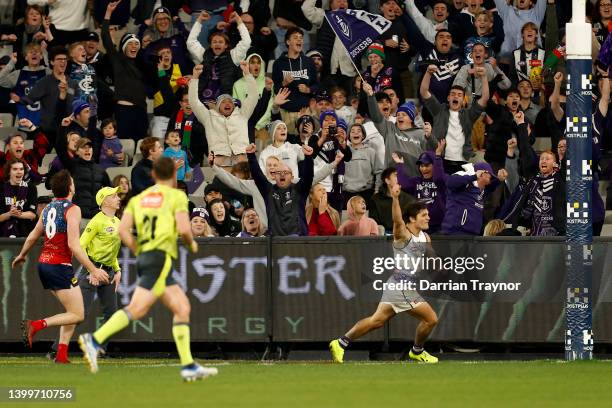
[[361, 172], [411, 142]]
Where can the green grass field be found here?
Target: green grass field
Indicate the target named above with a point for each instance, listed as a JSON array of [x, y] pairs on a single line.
[[156, 383]]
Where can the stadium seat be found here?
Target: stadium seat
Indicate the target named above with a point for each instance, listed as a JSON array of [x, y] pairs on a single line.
[[197, 197], [28, 144], [42, 191], [128, 146], [541, 144], [606, 231], [46, 161], [5, 132], [209, 174], [603, 186], [184, 17], [137, 154], [270, 66], [7, 119], [608, 219], [115, 171], [1, 145], [149, 106]]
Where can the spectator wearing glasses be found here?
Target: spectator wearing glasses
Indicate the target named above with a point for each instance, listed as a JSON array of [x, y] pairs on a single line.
[[285, 200]]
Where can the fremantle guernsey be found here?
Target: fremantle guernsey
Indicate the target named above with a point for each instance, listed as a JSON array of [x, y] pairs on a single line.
[[55, 248], [409, 258]]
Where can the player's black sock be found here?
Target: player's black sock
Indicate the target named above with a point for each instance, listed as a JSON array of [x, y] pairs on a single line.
[[417, 349], [344, 342]]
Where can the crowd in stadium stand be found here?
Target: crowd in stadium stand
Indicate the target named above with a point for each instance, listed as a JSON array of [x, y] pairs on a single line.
[[276, 131]]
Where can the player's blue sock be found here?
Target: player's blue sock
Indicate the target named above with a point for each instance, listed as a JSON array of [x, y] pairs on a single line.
[[344, 342]]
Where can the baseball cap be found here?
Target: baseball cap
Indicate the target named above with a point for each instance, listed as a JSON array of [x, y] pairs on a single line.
[[322, 95], [83, 142], [210, 187], [93, 36], [105, 192], [486, 167], [78, 106], [424, 158]]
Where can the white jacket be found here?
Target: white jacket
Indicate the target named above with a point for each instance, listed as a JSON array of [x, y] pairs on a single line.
[[66, 15], [425, 25], [238, 53], [226, 136], [289, 153]]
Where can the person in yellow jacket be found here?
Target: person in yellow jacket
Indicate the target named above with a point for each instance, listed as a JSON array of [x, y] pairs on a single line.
[[101, 242]]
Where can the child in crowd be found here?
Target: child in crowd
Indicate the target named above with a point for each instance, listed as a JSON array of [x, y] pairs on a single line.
[[358, 224], [111, 153], [176, 153]]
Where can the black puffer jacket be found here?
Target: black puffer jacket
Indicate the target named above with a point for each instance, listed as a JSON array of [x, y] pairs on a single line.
[[88, 178], [227, 71], [128, 73]]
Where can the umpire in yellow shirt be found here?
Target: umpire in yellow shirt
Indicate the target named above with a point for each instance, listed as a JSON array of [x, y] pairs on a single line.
[[160, 214], [102, 243]]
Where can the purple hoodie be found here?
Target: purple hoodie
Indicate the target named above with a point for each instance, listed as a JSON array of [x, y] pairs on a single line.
[[430, 191], [113, 144], [464, 205]]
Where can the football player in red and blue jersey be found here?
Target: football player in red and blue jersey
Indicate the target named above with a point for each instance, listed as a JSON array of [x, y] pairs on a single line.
[[59, 222]]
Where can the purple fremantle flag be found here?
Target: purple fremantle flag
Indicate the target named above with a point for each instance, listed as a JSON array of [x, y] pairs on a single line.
[[356, 29]]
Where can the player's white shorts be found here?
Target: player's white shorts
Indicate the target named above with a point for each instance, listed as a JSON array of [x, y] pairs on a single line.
[[401, 300]]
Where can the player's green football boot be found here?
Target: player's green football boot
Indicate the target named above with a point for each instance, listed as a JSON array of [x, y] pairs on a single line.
[[337, 351], [90, 351], [423, 357]]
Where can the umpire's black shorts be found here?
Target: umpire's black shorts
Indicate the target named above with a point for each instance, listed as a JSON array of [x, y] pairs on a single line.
[[154, 271]]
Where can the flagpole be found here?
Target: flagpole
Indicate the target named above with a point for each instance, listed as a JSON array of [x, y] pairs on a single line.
[[347, 51]]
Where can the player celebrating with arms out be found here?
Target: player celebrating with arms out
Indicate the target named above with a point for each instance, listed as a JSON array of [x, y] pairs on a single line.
[[59, 222], [409, 239], [101, 242], [160, 214]]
